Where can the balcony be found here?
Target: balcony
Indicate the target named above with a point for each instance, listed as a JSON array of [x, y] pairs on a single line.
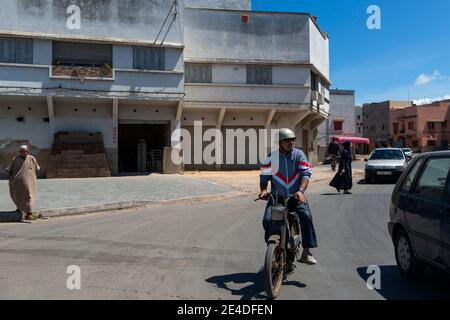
[[247, 94], [317, 96], [22, 79], [82, 73]]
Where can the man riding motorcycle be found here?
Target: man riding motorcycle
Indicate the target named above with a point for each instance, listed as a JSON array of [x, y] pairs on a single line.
[[289, 172]]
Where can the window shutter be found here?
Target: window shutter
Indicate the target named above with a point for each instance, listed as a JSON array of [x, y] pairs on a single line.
[[198, 73], [23, 51], [149, 58], [259, 75], [6, 50]]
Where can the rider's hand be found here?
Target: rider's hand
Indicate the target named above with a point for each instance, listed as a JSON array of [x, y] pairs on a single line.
[[301, 197], [264, 195]]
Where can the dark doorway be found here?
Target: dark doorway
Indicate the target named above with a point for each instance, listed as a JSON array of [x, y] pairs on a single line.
[[132, 138]]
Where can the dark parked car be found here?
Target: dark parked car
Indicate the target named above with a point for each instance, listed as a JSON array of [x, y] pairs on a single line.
[[420, 215]]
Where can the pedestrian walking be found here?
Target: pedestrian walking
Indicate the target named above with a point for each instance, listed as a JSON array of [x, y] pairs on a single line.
[[343, 179], [22, 172], [333, 151]]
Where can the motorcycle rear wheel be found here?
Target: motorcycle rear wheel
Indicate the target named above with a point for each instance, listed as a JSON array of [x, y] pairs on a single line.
[[274, 269]]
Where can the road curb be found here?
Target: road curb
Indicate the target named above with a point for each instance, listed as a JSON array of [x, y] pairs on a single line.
[[134, 204], [130, 205]]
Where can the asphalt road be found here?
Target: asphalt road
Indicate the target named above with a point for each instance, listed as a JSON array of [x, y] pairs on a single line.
[[207, 251]]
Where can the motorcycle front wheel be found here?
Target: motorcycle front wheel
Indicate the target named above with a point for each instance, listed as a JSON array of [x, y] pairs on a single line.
[[273, 269]]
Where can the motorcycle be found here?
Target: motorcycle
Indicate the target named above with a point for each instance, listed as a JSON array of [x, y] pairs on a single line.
[[283, 245]]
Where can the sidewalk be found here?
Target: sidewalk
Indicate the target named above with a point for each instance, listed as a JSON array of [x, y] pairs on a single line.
[[74, 196], [248, 181], [61, 197]]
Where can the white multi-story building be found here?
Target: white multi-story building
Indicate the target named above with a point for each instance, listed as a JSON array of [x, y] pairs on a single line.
[[141, 69], [342, 121]]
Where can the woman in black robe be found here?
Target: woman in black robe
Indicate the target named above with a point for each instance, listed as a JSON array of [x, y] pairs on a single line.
[[343, 179]]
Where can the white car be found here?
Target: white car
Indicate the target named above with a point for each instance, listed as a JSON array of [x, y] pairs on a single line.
[[385, 163], [408, 152]]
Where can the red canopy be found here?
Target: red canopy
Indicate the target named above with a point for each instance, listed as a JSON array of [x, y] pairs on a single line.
[[356, 140]]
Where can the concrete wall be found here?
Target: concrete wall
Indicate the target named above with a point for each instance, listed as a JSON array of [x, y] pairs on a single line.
[[281, 75], [247, 94], [359, 121], [126, 83], [220, 35], [140, 20], [342, 107], [319, 50], [219, 4], [34, 131], [376, 119]]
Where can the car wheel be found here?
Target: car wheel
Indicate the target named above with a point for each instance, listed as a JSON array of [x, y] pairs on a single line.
[[368, 179], [409, 266]]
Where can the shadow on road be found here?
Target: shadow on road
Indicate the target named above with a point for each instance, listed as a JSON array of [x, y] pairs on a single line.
[[434, 284], [255, 289], [10, 216]]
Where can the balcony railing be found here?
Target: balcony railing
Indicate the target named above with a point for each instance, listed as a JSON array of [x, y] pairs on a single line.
[[104, 72]]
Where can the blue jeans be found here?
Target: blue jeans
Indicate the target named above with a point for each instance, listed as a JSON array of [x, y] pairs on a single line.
[[309, 238]]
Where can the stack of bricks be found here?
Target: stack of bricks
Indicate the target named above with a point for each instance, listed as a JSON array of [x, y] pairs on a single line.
[[78, 155]]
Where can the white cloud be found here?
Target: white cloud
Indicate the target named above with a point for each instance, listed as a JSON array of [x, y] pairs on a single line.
[[427, 100], [426, 79]]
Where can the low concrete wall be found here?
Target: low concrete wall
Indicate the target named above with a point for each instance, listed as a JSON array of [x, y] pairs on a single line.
[[10, 149]]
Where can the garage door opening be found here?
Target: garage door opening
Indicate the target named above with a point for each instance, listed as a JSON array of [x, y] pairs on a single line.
[[141, 147]]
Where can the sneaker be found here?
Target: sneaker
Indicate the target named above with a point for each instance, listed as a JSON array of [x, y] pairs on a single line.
[[308, 258]]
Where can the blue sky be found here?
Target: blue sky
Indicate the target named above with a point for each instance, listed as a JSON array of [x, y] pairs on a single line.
[[408, 57]]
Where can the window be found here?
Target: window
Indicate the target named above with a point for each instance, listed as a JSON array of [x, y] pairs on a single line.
[[433, 179], [149, 58], [395, 127], [198, 73], [359, 118], [259, 75], [431, 125], [14, 50], [81, 54], [313, 81], [444, 124], [431, 143], [359, 129], [411, 125], [406, 186], [338, 125], [387, 155], [415, 143]]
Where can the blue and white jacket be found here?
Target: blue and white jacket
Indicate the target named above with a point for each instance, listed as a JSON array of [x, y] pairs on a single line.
[[285, 172]]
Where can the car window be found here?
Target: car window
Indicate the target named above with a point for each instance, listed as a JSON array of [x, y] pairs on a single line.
[[407, 183], [387, 155], [432, 182]]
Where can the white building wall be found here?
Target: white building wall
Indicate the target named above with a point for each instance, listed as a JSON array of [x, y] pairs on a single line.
[[85, 119], [319, 50], [219, 4], [229, 73], [291, 75], [34, 129], [220, 35], [342, 107]]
